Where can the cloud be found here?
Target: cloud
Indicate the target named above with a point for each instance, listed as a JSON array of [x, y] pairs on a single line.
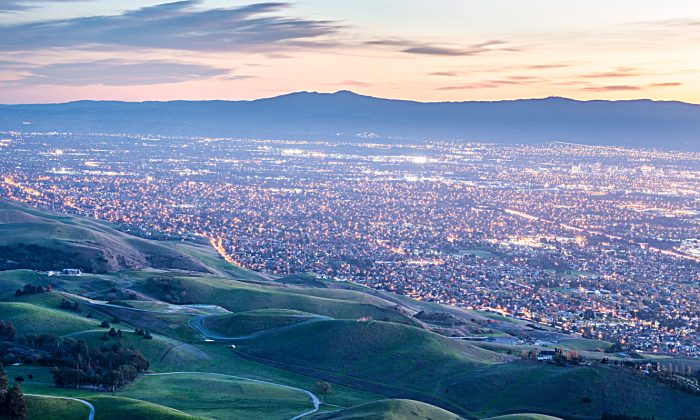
[[620, 72], [611, 88], [444, 73], [18, 5], [412, 47], [667, 84], [355, 83], [175, 26], [116, 73]]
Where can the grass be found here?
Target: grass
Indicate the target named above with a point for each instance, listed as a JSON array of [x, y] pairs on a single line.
[[481, 253], [238, 296], [208, 256], [46, 408], [568, 392], [244, 323], [378, 356], [46, 241], [163, 354], [524, 416], [12, 280], [213, 396], [30, 318], [118, 408], [390, 410]]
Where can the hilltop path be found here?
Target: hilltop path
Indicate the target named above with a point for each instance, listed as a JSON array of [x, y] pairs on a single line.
[[314, 399], [91, 416]]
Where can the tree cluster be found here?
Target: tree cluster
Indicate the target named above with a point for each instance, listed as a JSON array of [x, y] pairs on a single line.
[[7, 330], [30, 289], [70, 306], [144, 333], [76, 363]]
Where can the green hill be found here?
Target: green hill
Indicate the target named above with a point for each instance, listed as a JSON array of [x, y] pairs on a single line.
[[390, 410], [524, 416], [244, 323], [47, 408], [220, 397], [41, 240], [12, 280], [569, 392], [119, 408], [378, 355], [162, 353], [30, 318], [239, 296]]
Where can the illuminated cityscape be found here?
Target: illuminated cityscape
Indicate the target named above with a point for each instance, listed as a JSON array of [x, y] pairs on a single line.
[[600, 241]]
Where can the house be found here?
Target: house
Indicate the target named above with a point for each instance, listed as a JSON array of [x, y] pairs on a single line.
[[71, 272], [545, 355]]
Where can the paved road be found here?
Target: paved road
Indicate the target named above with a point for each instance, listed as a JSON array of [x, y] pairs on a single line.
[[314, 399], [91, 416], [197, 323]]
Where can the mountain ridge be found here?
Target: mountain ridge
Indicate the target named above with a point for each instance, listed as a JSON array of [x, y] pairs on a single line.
[[348, 116]]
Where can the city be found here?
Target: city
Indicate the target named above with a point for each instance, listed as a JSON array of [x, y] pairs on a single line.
[[595, 240]]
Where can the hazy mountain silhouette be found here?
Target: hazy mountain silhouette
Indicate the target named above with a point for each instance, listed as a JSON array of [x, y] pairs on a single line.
[[346, 115]]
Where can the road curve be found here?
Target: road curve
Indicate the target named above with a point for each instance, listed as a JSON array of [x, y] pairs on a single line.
[[91, 416], [197, 323], [314, 399]]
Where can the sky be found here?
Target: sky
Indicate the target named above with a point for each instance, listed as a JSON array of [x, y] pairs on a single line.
[[438, 50]]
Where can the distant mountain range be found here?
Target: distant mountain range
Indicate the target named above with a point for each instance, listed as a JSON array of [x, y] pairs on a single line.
[[349, 116]]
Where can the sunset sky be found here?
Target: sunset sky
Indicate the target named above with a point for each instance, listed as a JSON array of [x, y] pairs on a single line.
[[440, 50]]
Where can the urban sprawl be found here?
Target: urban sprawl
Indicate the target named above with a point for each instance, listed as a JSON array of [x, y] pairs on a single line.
[[598, 241]]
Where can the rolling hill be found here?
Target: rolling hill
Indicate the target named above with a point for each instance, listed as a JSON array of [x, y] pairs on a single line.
[[390, 410], [290, 346], [41, 240]]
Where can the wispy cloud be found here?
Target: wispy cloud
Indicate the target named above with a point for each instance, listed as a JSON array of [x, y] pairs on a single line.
[[116, 73], [413, 47], [620, 72], [611, 88], [175, 26], [18, 5]]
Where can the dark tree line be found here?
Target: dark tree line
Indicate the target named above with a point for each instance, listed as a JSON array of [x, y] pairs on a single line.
[[70, 306], [7, 330], [30, 289], [11, 400]]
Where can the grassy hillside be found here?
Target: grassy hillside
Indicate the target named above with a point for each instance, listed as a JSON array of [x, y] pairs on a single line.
[[30, 318], [569, 392], [242, 297], [118, 408], [46, 408], [219, 397], [375, 354], [390, 410], [162, 353], [41, 240], [12, 280], [244, 323], [524, 416]]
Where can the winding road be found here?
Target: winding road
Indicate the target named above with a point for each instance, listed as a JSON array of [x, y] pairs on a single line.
[[197, 323], [91, 416], [314, 399]]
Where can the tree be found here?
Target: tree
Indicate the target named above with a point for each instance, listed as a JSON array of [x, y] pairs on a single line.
[[323, 387], [3, 384], [14, 404], [104, 324]]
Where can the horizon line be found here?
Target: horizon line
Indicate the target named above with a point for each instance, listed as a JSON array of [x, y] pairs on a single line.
[[346, 91]]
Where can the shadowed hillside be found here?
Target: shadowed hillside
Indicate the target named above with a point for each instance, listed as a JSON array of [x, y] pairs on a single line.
[[39, 240]]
